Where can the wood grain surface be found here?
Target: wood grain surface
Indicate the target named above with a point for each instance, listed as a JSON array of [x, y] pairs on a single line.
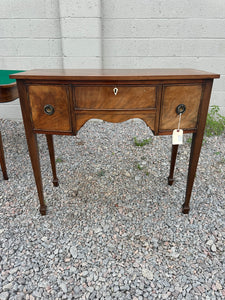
[[114, 117], [41, 95], [8, 92], [190, 96], [101, 97], [114, 74]]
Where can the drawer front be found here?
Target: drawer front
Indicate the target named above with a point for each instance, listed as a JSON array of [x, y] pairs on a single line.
[[50, 107], [115, 97], [190, 96]]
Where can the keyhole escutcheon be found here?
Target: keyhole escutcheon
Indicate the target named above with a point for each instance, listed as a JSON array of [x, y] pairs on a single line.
[[115, 91]]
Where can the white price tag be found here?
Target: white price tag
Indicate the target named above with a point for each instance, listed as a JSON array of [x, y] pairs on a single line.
[[177, 137]]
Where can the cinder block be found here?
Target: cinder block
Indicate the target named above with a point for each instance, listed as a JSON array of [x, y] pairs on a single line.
[[216, 65], [82, 47], [219, 85], [41, 28], [27, 63], [82, 62], [5, 11], [27, 28], [80, 8], [29, 9], [81, 27], [164, 9], [55, 47], [203, 47], [141, 47], [164, 47], [8, 47], [218, 98], [163, 28], [30, 47]]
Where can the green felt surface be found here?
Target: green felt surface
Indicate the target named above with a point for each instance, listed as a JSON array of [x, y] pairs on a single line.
[[4, 76]]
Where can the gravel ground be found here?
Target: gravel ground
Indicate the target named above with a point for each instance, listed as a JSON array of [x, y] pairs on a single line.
[[114, 228]]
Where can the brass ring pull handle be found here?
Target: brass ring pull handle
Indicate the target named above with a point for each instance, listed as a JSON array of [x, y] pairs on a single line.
[[115, 91], [49, 109], [180, 109]]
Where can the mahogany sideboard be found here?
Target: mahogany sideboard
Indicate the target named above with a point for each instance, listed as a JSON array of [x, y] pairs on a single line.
[[61, 101]]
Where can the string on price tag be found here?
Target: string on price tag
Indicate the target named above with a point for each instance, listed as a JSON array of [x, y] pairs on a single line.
[[177, 137]]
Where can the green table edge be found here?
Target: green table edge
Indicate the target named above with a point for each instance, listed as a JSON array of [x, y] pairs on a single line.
[[4, 76]]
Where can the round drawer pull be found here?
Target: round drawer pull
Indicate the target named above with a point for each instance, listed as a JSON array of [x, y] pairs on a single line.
[[49, 109], [115, 91], [180, 109]]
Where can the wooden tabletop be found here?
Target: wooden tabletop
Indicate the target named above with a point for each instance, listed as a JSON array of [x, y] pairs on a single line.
[[114, 74]]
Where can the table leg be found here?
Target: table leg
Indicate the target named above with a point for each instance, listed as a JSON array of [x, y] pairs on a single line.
[[35, 161], [49, 138], [2, 159], [193, 162], [32, 143], [172, 164], [196, 145]]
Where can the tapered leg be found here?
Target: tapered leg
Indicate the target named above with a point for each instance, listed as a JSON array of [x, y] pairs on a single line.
[[49, 138], [197, 144], [32, 143], [35, 161], [172, 164], [193, 162], [2, 159]]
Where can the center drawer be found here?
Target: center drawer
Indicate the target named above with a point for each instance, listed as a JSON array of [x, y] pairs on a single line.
[[114, 97]]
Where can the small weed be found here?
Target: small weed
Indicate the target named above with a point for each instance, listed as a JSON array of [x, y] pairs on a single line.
[[189, 140], [143, 169], [215, 123], [59, 160], [140, 167], [204, 142], [218, 153], [223, 161], [101, 173], [142, 143]]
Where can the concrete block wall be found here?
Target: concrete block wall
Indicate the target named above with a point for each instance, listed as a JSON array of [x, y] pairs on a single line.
[[166, 34], [30, 34], [81, 33], [30, 37], [113, 34], [48, 34]]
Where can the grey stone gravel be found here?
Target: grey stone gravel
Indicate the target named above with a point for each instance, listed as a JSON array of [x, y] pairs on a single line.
[[114, 228], [4, 296], [73, 251]]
